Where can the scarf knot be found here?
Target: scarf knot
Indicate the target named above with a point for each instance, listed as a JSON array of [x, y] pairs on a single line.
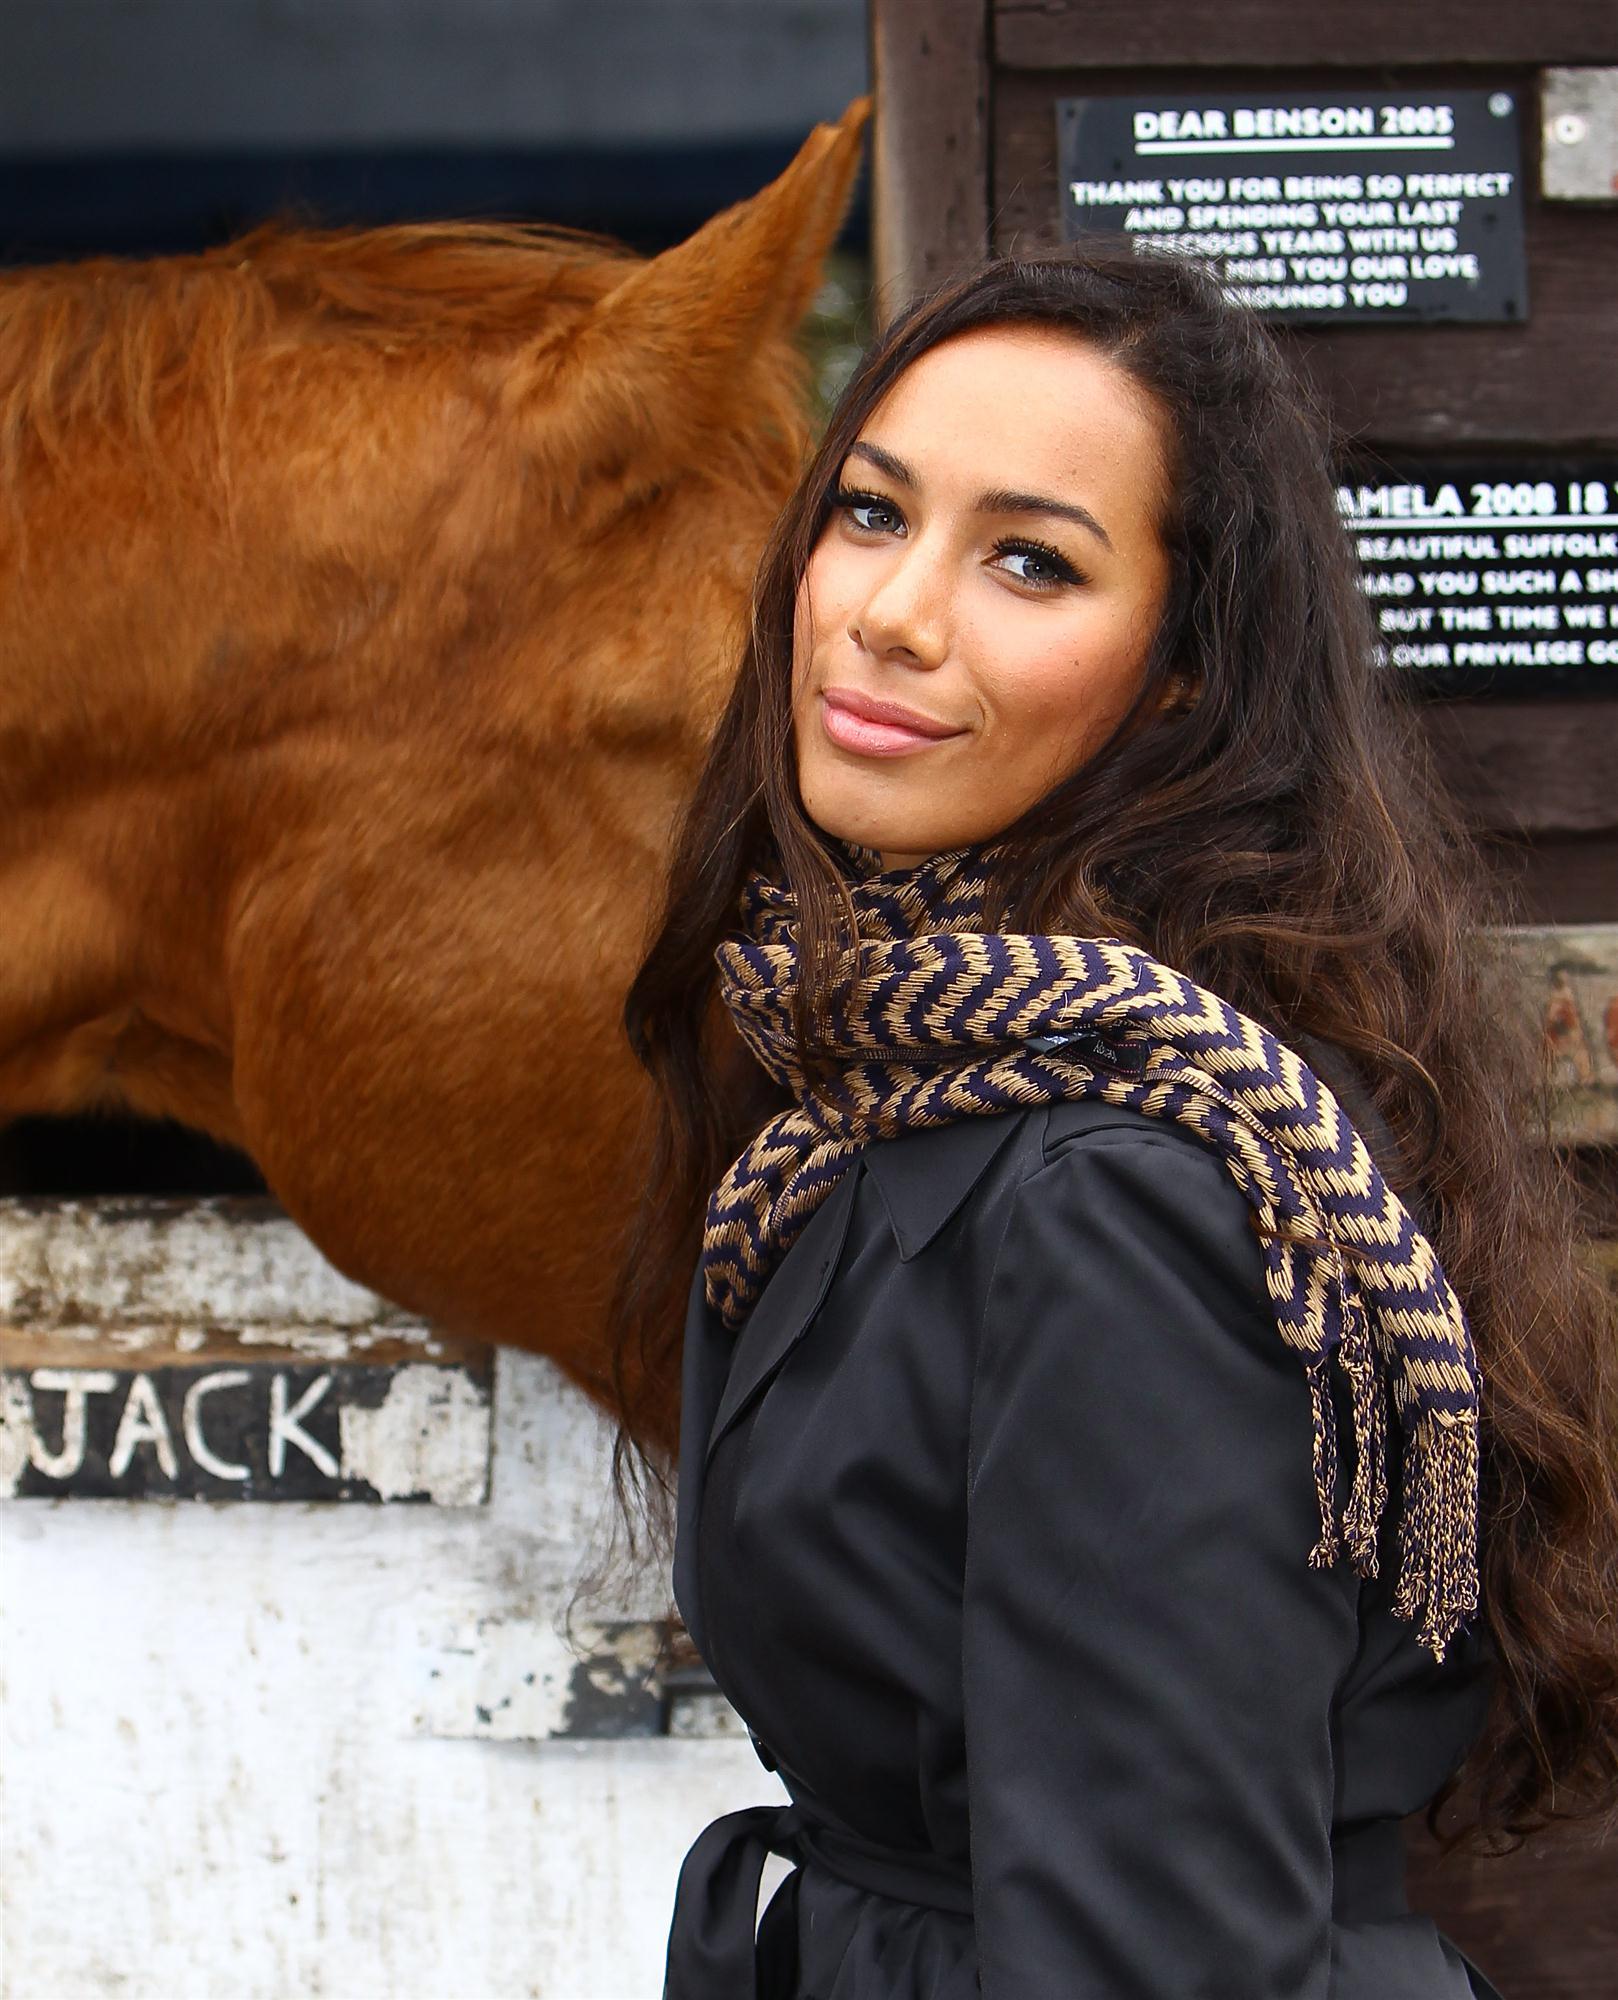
[[937, 1019]]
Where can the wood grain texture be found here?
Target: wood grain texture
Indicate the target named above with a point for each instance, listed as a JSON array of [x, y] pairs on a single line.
[[1542, 1923], [1057, 34], [1549, 382], [930, 171], [24, 1348], [1548, 766], [1560, 879]]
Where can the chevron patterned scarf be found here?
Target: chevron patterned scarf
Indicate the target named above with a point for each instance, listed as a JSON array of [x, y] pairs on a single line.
[[940, 1020]]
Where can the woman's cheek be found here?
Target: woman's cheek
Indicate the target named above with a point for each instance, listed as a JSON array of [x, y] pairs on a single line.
[[1059, 702], [1037, 689]]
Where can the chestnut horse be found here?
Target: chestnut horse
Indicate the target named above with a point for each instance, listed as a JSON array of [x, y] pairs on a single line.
[[369, 597]]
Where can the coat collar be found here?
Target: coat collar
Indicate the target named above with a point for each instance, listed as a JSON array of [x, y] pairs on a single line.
[[924, 1176]]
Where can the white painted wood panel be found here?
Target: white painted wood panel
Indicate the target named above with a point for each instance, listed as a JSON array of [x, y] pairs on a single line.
[[256, 1752]]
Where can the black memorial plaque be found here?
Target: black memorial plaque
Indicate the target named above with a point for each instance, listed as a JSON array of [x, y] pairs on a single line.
[[1491, 575], [1335, 206]]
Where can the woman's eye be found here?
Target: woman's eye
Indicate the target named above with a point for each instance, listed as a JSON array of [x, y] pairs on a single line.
[[1042, 568], [869, 511]]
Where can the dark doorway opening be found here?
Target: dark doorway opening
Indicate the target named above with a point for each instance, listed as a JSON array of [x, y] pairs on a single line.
[[79, 1158]]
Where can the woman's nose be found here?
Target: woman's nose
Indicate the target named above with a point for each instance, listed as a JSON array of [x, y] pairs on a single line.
[[905, 616]]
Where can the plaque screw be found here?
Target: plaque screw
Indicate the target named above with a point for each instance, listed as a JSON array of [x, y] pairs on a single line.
[[1569, 129], [1500, 103]]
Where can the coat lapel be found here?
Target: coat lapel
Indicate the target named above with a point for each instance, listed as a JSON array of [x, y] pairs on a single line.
[[721, 1372], [787, 1304], [922, 1179]]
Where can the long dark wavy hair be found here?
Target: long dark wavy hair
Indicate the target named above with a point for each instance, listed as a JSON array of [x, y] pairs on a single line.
[[1285, 841]]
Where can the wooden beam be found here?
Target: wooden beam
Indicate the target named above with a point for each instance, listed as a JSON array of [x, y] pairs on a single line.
[[1450, 387], [167, 1282], [1058, 34], [1548, 766], [930, 157], [1560, 879]]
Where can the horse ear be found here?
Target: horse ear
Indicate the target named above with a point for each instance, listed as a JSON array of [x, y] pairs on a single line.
[[672, 336], [750, 272]]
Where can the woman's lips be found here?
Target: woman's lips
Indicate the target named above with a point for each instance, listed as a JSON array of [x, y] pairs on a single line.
[[869, 737]]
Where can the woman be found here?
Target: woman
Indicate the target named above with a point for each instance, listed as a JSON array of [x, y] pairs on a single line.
[[1079, 1486]]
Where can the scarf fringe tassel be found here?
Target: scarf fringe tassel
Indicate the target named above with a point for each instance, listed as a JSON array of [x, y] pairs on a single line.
[[1437, 1582]]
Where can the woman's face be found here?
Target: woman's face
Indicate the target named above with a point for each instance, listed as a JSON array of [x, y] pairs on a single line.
[[992, 572]]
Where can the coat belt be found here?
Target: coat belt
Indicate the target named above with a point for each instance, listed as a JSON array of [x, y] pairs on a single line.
[[712, 1952]]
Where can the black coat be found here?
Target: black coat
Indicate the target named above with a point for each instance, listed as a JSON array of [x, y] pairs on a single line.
[[993, 1524]]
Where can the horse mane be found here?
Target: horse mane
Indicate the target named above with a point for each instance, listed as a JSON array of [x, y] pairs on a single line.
[[106, 339]]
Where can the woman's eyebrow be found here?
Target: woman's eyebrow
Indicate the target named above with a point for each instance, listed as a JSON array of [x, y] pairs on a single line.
[[1005, 501], [1000, 500], [884, 461]]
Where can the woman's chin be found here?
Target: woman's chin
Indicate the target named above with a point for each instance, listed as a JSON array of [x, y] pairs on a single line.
[[898, 847]]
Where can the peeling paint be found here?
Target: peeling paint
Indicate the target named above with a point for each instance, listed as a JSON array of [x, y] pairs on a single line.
[[428, 1439], [16, 1433], [396, 1749], [534, 1680], [613, 1690], [503, 1680], [704, 1717], [238, 1759], [179, 1265]]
